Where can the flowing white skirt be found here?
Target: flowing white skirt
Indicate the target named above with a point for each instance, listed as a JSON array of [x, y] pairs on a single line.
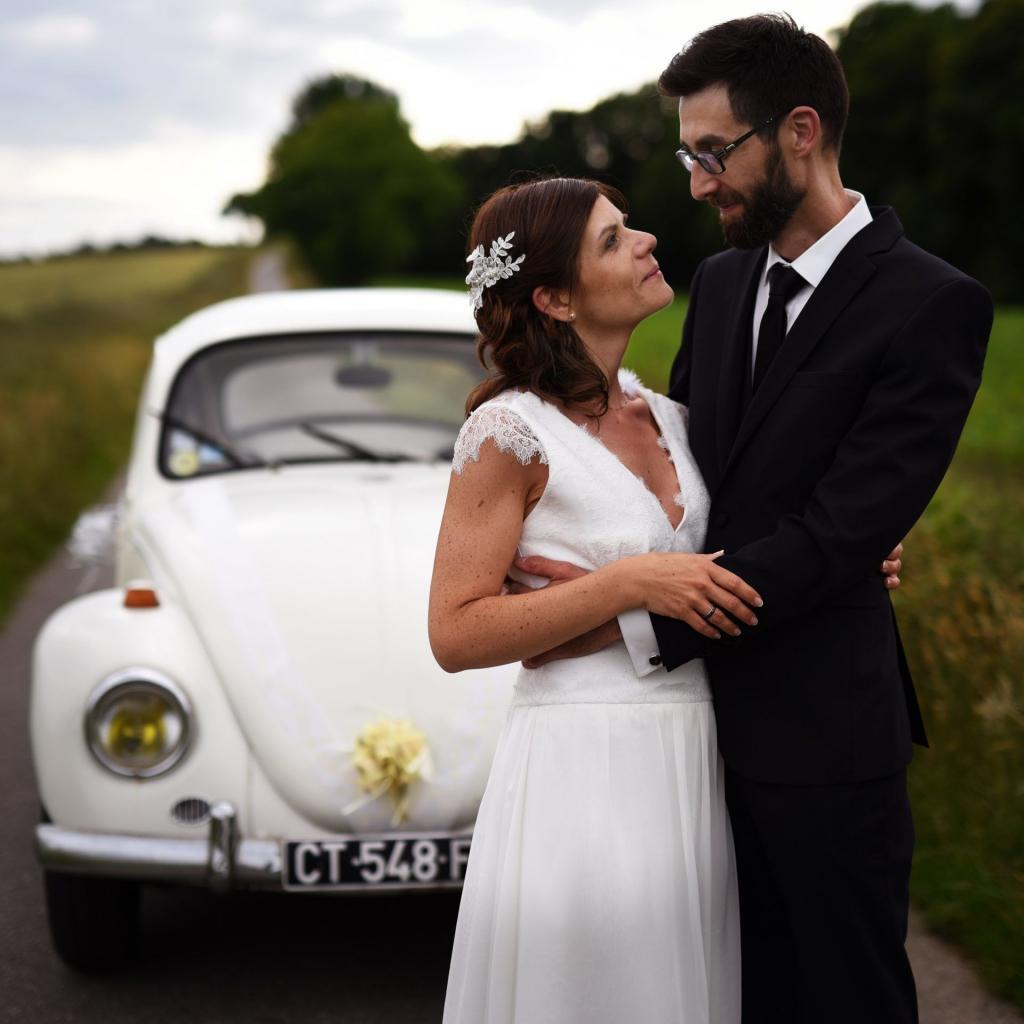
[[601, 884]]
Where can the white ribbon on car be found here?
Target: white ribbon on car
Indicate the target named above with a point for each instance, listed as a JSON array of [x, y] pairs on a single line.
[[256, 634], [93, 541]]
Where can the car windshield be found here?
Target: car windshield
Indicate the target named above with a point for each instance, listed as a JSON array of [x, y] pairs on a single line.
[[368, 397]]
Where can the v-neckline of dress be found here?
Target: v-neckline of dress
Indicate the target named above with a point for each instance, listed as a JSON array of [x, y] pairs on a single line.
[[663, 442]]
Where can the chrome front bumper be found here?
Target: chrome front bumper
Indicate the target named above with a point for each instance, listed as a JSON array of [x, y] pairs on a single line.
[[220, 860]]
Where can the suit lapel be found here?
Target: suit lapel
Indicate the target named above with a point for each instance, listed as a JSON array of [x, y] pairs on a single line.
[[849, 273], [734, 378]]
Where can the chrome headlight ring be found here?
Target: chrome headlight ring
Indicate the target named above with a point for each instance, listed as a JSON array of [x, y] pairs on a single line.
[[122, 687]]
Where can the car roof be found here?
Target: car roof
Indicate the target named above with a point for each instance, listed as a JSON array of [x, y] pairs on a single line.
[[323, 309]]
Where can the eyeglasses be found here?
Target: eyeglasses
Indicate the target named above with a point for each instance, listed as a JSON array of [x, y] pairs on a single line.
[[714, 162]]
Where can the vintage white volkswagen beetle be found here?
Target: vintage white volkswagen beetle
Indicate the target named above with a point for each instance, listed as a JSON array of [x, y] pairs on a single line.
[[255, 703]]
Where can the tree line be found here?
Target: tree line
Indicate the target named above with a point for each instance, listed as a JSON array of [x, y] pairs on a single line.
[[936, 130]]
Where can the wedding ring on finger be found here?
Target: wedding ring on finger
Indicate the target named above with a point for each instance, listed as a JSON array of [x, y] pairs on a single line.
[[707, 617]]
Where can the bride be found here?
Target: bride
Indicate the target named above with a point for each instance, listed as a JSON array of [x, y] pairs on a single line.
[[601, 884]]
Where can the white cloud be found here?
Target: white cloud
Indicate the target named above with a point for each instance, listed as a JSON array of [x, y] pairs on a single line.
[[344, 8], [53, 31], [429, 93], [442, 18], [174, 185], [226, 26]]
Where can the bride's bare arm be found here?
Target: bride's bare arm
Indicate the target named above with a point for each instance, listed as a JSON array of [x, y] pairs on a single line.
[[472, 625]]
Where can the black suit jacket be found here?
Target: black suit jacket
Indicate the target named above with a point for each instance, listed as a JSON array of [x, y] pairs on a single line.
[[812, 483]]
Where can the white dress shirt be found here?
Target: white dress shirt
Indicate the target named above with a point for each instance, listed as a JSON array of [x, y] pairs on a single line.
[[812, 265]]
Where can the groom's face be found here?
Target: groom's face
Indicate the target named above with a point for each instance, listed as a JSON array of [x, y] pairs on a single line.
[[755, 196]]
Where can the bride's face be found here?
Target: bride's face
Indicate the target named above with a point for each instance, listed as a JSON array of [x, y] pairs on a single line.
[[619, 281]]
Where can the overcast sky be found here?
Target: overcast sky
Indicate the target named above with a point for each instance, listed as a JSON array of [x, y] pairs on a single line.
[[124, 117]]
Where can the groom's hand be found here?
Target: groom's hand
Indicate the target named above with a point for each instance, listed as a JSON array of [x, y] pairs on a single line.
[[561, 572], [892, 567], [549, 568]]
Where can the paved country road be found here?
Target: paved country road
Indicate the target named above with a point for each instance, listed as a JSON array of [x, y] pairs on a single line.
[[268, 272]]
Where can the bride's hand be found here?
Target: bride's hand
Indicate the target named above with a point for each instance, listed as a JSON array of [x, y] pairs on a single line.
[[694, 589]]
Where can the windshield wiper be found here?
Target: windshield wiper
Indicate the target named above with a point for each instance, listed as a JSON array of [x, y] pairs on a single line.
[[234, 457], [357, 451]]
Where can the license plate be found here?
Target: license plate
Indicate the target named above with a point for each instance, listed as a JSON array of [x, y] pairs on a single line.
[[390, 861]]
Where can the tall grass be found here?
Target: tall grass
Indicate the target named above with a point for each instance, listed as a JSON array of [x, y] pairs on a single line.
[[103, 280], [963, 618], [75, 338], [961, 612]]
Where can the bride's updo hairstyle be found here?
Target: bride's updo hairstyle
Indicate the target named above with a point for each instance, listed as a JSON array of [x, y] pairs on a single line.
[[520, 345]]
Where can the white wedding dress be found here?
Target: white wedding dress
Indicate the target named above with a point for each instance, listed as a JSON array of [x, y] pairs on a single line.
[[601, 884]]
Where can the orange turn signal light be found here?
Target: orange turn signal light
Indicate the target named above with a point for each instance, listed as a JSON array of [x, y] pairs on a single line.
[[141, 597]]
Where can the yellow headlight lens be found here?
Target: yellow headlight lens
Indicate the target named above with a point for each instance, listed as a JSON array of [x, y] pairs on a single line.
[[136, 731], [138, 725]]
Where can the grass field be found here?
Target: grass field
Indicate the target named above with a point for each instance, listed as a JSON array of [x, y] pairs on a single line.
[[102, 281], [961, 611], [75, 338]]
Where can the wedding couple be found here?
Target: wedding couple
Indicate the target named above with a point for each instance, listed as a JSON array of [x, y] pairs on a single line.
[[627, 847]]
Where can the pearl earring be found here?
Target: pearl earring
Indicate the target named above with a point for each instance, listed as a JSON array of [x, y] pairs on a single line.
[[572, 315]]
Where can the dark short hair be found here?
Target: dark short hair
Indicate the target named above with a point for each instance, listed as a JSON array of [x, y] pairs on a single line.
[[769, 65], [522, 347]]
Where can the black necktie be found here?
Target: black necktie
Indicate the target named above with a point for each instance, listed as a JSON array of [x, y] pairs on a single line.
[[783, 283]]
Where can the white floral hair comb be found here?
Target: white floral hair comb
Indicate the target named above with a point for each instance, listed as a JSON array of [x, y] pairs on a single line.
[[488, 270]]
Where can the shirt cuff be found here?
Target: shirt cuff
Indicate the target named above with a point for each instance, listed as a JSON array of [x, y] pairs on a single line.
[[641, 643]]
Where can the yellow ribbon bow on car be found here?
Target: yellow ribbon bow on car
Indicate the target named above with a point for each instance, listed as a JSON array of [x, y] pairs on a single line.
[[390, 754]]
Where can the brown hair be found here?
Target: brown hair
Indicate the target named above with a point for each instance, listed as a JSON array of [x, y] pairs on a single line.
[[521, 346], [769, 65]]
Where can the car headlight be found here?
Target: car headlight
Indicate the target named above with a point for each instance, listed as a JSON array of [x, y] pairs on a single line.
[[138, 723]]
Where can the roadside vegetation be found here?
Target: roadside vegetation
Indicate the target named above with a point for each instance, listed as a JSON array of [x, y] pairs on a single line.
[[75, 338], [963, 618], [961, 612]]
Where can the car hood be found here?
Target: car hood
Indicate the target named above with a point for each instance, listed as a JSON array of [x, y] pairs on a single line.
[[309, 588]]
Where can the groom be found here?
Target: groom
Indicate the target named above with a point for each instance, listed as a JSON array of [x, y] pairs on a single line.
[[829, 366]]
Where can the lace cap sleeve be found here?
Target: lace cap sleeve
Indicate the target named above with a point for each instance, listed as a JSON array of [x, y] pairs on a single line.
[[632, 386], [505, 427]]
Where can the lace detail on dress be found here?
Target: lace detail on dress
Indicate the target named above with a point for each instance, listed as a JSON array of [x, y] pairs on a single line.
[[505, 427], [629, 382]]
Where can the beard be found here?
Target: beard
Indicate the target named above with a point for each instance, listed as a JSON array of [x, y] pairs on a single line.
[[771, 204]]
